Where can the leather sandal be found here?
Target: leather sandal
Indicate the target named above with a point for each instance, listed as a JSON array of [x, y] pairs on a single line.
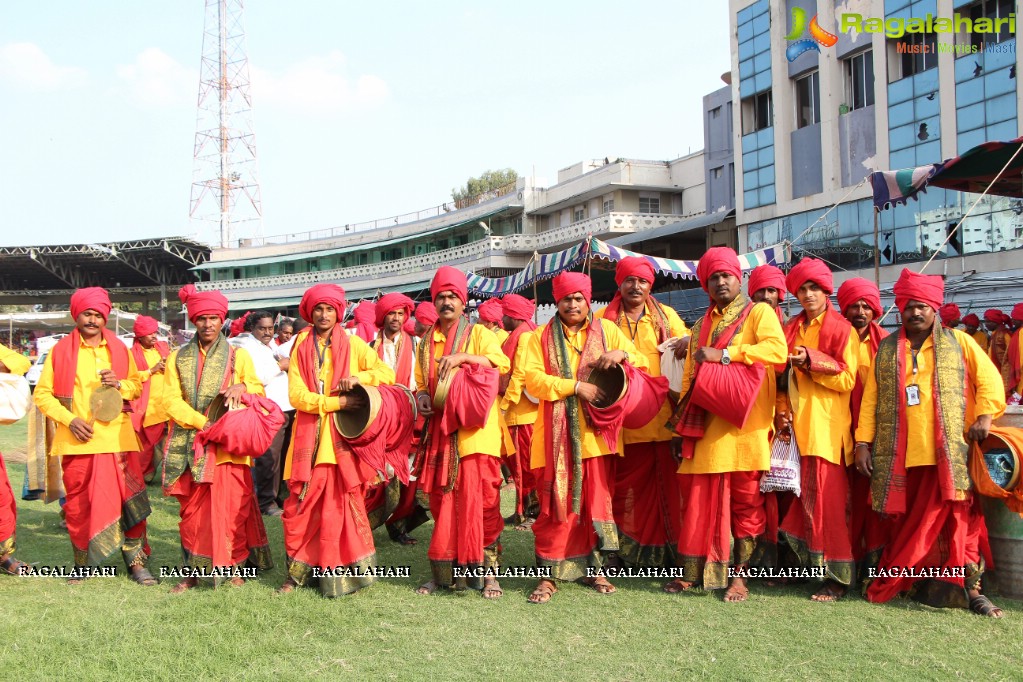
[[543, 592], [142, 576]]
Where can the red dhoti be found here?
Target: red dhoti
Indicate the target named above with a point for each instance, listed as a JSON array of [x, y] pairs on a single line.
[[581, 541], [467, 521], [942, 537], [718, 509], [221, 527], [868, 530], [776, 506], [8, 512], [106, 507], [327, 529], [149, 438], [647, 504], [817, 528], [518, 464]]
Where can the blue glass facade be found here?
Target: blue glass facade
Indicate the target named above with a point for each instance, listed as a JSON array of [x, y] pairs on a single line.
[[754, 37], [914, 129], [986, 95]]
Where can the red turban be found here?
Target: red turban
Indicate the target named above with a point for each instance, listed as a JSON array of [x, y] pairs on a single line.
[[765, 276], [857, 288], [1017, 312], [634, 266], [1006, 319], [993, 315], [567, 283], [491, 310], [365, 315], [717, 259], [929, 289], [144, 326], [518, 307], [426, 313], [449, 279], [410, 327], [810, 270], [238, 326], [391, 302], [949, 313], [91, 298], [971, 320], [331, 294], [202, 302]]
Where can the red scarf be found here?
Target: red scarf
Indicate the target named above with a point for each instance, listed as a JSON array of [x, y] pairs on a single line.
[[874, 336], [140, 405], [511, 344], [403, 372], [307, 425], [831, 342], [614, 312], [65, 363]]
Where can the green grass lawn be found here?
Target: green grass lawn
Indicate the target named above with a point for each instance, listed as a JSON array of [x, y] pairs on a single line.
[[111, 629]]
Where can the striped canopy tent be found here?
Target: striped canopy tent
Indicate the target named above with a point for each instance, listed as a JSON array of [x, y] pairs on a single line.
[[548, 265], [970, 172]]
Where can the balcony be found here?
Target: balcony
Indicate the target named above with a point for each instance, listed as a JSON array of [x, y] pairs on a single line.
[[602, 227]]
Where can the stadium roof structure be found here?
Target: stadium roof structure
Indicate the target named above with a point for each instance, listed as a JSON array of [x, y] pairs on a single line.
[[138, 266]]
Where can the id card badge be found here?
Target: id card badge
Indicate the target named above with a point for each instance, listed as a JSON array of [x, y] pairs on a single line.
[[912, 395]]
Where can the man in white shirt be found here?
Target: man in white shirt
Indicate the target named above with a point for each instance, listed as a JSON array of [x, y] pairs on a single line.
[[272, 372]]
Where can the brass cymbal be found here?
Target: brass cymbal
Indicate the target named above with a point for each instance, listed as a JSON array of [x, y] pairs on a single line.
[[105, 403]]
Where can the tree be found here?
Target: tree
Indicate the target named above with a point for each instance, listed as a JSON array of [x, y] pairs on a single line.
[[487, 181]]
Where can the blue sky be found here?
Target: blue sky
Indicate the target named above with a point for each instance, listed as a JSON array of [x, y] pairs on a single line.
[[361, 111]]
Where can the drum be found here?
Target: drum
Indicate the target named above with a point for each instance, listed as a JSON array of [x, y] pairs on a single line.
[[443, 388], [612, 381], [353, 423]]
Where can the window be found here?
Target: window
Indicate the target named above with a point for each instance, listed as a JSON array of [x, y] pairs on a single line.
[[859, 80], [649, 204], [608, 205], [915, 52], [715, 173], [757, 112], [808, 100], [986, 9], [578, 214]]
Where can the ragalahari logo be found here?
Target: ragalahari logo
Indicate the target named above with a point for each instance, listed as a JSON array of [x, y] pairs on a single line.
[[818, 35]]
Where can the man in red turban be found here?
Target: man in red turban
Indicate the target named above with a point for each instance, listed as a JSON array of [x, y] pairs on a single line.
[[396, 348], [971, 323], [997, 323], [519, 409], [860, 302], [1012, 366], [426, 317], [912, 440], [148, 417], [767, 285], [221, 526], [575, 533], [107, 503], [365, 316], [824, 357], [950, 315], [491, 312], [722, 463], [647, 503], [460, 472], [326, 527], [11, 362]]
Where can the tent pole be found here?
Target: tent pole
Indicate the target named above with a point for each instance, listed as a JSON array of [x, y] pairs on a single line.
[[536, 298]]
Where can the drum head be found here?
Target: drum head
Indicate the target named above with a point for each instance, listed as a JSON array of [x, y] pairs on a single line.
[[217, 409], [105, 403], [612, 381], [443, 388]]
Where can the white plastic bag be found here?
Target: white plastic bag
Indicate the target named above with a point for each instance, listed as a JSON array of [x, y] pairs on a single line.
[[784, 473], [15, 397], [670, 366]]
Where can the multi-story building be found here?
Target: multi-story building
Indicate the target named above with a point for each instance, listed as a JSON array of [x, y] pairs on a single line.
[[810, 130], [494, 234]]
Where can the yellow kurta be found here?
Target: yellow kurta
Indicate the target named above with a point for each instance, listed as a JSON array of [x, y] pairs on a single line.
[[363, 362], [822, 418], [15, 362], [981, 338], [546, 387], [986, 397], [519, 409], [1018, 339], [724, 447], [486, 440], [155, 412], [998, 346], [502, 336], [115, 436], [643, 335], [182, 413]]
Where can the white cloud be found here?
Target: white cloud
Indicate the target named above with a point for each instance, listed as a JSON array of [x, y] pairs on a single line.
[[26, 65], [319, 85], [155, 79]]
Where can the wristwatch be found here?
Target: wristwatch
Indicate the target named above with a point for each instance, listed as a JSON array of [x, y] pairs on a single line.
[[725, 357]]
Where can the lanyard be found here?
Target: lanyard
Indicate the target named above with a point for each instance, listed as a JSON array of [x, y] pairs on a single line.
[[320, 354], [914, 353], [633, 332]]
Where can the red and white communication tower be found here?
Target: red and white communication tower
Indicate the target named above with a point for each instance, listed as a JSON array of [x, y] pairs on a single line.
[[225, 179]]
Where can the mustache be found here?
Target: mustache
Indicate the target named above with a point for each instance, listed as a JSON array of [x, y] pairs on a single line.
[[446, 309]]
